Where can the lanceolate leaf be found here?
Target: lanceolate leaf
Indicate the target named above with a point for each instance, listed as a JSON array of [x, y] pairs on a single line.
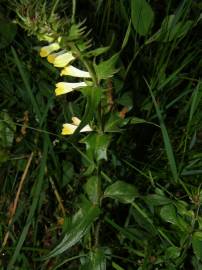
[[77, 229], [121, 191], [142, 16]]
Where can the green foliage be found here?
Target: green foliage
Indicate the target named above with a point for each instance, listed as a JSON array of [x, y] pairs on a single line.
[[197, 244], [121, 191], [96, 146], [92, 189], [78, 226], [142, 16], [7, 130], [170, 30], [7, 33], [106, 69], [124, 190]]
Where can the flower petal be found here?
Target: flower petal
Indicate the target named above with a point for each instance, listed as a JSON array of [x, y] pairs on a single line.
[[68, 129], [75, 72], [87, 128], [62, 88], [63, 59], [76, 121], [51, 57], [65, 87], [46, 50]]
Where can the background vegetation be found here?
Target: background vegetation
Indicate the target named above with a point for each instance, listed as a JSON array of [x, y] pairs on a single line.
[[128, 195]]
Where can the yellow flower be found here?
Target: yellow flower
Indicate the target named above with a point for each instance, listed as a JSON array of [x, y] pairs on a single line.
[[51, 57], [63, 59], [65, 87], [69, 129], [46, 50], [74, 72]]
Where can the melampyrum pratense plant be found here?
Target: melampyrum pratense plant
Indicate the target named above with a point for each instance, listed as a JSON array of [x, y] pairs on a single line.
[[68, 48]]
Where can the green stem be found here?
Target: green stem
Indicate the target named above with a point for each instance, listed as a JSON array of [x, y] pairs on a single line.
[[73, 11], [54, 7]]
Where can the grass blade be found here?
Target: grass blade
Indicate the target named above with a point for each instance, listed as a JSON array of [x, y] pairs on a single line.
[[166, 139]]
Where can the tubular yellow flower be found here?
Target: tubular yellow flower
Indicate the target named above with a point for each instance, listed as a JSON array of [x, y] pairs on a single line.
[[76, 121], [65, 87], [63, 59], [75, 72], [51, 57], [46, 50], [69, 129]]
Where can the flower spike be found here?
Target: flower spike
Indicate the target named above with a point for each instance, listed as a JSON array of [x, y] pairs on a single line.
[[65, 87]]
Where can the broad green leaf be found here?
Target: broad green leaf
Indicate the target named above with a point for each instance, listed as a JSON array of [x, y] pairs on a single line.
[[78, 227], [156, 200], [182, 208], [197, 244], [121, 191], [96, 145], [7, 33], [106, 69], [91, 188], [142, 16], [168, 214], [172, 252]]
